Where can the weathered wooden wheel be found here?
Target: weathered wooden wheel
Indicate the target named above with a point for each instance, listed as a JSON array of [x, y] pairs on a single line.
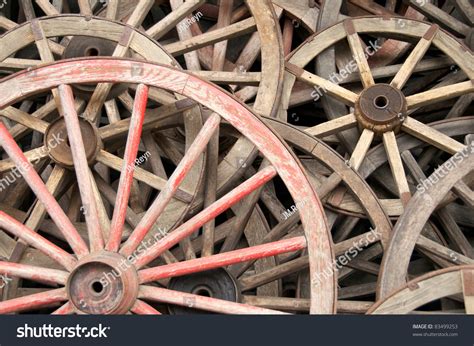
[[82, 271], [381, 110], [430, 201], [236, 25], [453, 282]]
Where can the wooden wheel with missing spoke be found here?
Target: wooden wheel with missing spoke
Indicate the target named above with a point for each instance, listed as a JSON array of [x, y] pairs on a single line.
[[82, 268]]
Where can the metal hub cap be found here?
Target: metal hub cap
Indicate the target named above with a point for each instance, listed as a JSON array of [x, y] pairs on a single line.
[[216, 283], [57, 142], [106, 283], [381, 108]]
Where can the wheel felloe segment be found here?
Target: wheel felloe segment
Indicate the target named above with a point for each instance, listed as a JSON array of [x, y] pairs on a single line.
[[103, 284]]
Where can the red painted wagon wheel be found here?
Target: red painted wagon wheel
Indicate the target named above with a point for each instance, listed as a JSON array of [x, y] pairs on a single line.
[[83, 271], [112, 101], [456, 282]]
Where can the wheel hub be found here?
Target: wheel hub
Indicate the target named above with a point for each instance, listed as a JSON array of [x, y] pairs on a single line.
[[82, 46], [103, 284], [381, 108], [216, 283], [57, 142]]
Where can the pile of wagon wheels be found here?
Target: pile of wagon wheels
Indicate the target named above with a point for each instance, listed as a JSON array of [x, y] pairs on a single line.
[[236, 157]]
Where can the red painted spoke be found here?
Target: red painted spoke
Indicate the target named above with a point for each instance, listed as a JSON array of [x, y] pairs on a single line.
[[204, 216], [33, 301], [222, 260], [126, 177], [142, 308], [81, 167], [172, 185], [19, 230], [33, 273], [164, 295], [37, 185], [66, 309]]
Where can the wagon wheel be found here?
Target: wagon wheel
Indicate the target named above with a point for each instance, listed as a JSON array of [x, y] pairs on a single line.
[[114, 101], [451, 182], [358, 277], [456, 282], [382, 110], [255, 20], [103, 251], [327, 62]]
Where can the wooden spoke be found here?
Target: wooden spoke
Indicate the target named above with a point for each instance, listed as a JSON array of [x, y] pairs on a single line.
[[361, 149], [252, 281], [396, 165], [30, 237], [206, 215], [414, 58], [139, 13], [112, 10], [428, 134], [85, 7], [142, 308], [334, 90], [439, 94], [36, 184], [234, 30], [81, 168], [142, 175], [33, 273], [33, 157], [171, 20], [152, 118], [333, 126], [359, 54], [172, 185], [441, 17], [25, 119], [33, 301], [126, 177], [200, 302], [223, 259]]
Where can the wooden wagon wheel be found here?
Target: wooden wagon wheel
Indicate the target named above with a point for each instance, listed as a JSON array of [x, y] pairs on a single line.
[[381, 110], [255, 19], [456, 175], [456, 281], [82, 275], [120, 40]]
